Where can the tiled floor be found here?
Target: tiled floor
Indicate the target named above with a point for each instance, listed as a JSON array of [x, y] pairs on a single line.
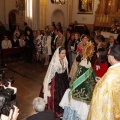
[[28, 80]]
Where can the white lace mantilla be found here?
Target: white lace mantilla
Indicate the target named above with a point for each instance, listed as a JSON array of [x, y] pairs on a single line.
[[54, 66]]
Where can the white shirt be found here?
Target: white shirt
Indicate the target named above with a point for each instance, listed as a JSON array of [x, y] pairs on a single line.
[[6, 44]]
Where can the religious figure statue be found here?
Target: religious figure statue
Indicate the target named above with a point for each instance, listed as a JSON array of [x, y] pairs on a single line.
[[85, 5]]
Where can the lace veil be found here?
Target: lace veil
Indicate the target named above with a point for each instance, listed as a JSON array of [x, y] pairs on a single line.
[[54, 67]]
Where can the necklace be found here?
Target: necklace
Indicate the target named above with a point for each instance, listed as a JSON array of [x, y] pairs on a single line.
[[62, 64]]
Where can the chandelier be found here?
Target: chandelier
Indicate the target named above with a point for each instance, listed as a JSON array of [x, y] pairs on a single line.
[[59, 2], [20, 5]]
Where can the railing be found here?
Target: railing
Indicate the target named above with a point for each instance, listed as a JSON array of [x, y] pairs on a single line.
[[11, 53]]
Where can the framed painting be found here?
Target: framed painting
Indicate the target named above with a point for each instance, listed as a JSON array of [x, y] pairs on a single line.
[[85, 6]]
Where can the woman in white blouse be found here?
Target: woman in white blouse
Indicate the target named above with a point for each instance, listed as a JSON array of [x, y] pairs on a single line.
[[22, 40], [47, 46], [6, 43]]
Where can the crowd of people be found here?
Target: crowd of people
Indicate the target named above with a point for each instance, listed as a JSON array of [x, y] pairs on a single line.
[[78, 74], [82, 81]]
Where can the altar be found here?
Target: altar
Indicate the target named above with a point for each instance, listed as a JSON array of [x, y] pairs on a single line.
[[107, 18], [108, 34]]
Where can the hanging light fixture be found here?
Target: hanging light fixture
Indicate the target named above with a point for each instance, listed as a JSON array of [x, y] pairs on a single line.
[[59, 2]]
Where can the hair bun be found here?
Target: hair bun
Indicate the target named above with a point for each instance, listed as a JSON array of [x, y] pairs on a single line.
[[88, 50]]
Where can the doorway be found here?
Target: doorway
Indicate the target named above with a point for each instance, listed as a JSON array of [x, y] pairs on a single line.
[[58, 16], [12, 19]]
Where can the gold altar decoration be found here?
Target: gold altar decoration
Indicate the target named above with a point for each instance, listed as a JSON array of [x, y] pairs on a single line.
[[107, 11], [85, 6]]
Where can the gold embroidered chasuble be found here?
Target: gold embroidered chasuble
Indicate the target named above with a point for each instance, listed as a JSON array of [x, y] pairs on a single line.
[[105, 104]]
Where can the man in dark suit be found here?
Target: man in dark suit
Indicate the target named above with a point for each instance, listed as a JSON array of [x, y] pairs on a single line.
[[112, 42], [118, 39], [42, 114], [27, 28], [52, 34]]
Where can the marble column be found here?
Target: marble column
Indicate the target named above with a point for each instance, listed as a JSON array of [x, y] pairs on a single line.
[[36, 19], [70, 6], [103, 6], [43, 5], [114, 6]]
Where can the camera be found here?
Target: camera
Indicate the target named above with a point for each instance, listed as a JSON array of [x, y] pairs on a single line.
[[5, 81], [2, 74], [7, 94], [8, 104]]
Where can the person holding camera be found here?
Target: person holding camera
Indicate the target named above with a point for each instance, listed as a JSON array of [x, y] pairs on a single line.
[[13, 113], [6, 89], [41, 113], [8, 109]]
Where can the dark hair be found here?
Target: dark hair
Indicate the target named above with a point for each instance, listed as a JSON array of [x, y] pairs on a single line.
[[99, 31], [68, 31], [77, 34], [78, 58], [22, 34], [100, 38], [61, 48], [47, 33], [5, 36], [115, 51], [59, 23], [2, 101], [83, 35], [56, 30], [25, 23], [17, 26], [61, 31], [102, 55], [53, 24], [46, 27]]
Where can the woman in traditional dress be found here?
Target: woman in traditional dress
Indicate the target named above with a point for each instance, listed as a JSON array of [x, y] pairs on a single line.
[[56, 81], [76, 99], [83, 39]]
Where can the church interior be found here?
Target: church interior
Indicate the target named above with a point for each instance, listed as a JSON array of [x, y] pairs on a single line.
[[103, 15]]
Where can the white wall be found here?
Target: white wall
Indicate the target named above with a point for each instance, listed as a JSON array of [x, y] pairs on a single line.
[[2, 11], [83, 18], [35, 13], [9, 5], [50, 10], [58, 16], [5, 7]]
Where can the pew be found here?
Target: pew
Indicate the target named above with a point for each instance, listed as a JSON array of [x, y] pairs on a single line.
[[11, 53]]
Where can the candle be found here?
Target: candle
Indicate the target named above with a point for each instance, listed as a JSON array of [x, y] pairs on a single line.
[[103, 18], [100, 18], [107, 19]]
